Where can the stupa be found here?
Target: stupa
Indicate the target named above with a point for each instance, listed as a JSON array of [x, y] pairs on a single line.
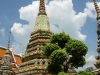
[[34, 62]]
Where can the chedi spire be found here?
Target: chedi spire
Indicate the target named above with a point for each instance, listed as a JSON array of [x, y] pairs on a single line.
[[97, 9], [42, 21], [97, 63], [9, 40], [42, 8]]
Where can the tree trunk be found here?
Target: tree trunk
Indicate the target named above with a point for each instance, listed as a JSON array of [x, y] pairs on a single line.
[[66, 66]]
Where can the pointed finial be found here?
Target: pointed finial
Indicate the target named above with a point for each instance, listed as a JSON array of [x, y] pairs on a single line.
[[96, 8], [42, 8], [12, 46], [9, 39]]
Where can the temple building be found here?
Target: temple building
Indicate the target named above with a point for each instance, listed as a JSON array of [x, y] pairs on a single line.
[[8, 62], [15, 59], [34, 62], [97, 63]]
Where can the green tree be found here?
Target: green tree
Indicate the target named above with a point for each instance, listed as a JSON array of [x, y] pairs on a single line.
[[54, 68], [63, 50], [62, 73], [60, 39], [89, 69], [85, 73], [58, 56], [49, 48]]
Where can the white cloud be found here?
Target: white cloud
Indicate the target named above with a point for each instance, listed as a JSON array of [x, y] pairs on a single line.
[[89, 10], [2, 31], [60, 12], [90, 58], [66, 18]]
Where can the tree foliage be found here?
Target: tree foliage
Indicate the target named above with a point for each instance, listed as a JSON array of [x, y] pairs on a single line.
[[54, 68], [85, 73], [76, 48], [89, 69], [63, 50], [63, 73], [61, 39], [58, 56], [49, 48], [77, 61]]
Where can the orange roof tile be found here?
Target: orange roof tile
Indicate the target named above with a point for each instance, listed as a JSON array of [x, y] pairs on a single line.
[[13, 64], [17, 57], [2, 52]]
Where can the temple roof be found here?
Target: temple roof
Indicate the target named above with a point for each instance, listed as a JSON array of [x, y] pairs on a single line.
[[2, 52], [17, 57]]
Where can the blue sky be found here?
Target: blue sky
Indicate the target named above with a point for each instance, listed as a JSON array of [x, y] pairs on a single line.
[[9, 14], [15, 13]]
